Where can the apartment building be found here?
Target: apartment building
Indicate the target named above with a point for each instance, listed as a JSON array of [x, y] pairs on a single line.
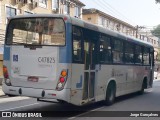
[[9, 8], [105, 20]]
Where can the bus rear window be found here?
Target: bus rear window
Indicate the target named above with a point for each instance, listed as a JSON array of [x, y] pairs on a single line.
[[36, 31]]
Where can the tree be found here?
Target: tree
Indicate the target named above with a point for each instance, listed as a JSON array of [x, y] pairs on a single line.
[[156, 31], [157, 1]]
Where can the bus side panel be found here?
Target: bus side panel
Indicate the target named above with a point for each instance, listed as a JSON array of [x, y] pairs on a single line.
[[77, 83]]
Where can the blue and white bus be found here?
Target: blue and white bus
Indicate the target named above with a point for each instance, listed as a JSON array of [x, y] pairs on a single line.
[[60, 58]]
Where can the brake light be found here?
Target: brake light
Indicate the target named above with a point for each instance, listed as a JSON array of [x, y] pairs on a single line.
[[6, 76], [5, 72], [62, 80]]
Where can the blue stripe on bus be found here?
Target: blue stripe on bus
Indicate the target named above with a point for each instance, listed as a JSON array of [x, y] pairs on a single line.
[[6, 55], [65, 53]]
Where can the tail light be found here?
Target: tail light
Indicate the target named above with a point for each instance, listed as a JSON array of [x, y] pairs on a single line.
[[5, 72], [62, 80], [6, 76]]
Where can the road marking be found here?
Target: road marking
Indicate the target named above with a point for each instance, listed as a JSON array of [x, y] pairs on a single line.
[[20, 107], [10, 99], [85, 113]]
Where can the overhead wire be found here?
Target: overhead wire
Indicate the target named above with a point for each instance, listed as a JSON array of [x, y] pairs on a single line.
[[118, 12]]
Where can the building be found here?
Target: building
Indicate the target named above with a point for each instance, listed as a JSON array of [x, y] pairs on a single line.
[[9, 8], [102, 19]]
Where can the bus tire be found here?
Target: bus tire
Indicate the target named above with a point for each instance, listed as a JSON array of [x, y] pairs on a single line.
[[110, 94], [9, 95], [143, 87]]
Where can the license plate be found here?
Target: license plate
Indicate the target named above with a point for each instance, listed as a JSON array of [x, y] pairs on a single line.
[[33, 79]]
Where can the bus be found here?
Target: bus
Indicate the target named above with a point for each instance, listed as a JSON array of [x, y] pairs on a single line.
[[59, 58]]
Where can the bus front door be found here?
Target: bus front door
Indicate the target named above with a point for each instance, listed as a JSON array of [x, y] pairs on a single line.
[[90, 59]]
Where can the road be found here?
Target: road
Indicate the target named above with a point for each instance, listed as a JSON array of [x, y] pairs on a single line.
[[149, 101]]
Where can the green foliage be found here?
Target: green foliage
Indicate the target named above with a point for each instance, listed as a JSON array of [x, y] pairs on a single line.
[[157, 1], [156, 31]]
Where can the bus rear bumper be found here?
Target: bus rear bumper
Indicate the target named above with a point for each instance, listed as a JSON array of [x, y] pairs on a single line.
[[37, 93]]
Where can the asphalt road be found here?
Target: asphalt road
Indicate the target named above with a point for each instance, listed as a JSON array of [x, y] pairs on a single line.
[[134, 104]]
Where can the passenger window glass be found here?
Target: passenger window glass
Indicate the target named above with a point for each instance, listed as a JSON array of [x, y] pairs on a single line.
[[77, 49], [129, 53], [117, 51], [105, 50], [146, 56], [138, 55]]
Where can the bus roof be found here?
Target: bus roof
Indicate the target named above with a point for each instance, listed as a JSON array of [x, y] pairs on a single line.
[[84, 24], [100, 29]]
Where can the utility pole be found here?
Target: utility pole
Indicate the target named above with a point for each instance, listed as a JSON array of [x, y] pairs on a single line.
[[68, 6], [137, 31], [137, 28]]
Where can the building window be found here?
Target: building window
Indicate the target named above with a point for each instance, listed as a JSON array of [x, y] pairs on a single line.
[[43, 3], [99, 20], [89, 19], [54, 4], [10, 11], [77, 11], [65, 9]]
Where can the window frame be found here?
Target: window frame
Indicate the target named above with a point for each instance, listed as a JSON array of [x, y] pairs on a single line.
[[110, 41], [37, 44], [133, 48], [82, 46], [113, 49]]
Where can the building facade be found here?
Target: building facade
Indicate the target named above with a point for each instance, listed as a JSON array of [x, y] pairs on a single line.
[[10, 8], [102, 19]]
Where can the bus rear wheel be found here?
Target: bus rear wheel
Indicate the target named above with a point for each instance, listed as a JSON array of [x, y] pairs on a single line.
[[144, 84], [110, 94]]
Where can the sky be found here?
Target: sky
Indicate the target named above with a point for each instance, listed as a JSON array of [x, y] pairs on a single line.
[[135, 12]]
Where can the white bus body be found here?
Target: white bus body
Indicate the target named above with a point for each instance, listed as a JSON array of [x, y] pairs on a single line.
[[55, 72]]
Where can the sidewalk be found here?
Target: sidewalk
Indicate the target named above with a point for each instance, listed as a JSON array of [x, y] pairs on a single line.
[[1, 92]]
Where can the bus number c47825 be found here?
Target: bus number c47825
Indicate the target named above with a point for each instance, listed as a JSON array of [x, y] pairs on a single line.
[[46, 60]]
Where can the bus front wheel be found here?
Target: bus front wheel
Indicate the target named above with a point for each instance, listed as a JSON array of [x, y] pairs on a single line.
[[110, 94]]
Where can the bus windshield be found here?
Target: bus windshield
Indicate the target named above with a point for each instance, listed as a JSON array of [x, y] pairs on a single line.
[[36, 31]]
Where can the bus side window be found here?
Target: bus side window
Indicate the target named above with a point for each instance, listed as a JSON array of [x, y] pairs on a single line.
[[117, 51], [129, 53], [146, 56], [77, 43], [105, 50], [138, 55]]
